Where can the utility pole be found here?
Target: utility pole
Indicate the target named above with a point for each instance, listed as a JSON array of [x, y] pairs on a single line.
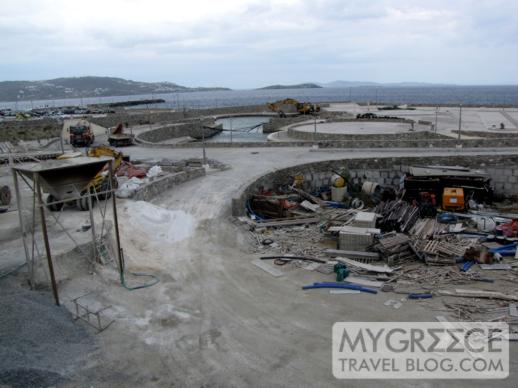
[[460, 121], [203, 142], [230, 130], [436, 111], [315, 130]]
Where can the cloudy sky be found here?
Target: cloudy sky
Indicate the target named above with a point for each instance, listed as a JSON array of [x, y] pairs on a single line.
[[249, 43]]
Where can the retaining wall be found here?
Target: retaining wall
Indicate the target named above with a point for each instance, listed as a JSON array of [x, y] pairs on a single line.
[[161, 184], [385, 143], [139, 117], [375, 138], [503, 171], [192, 129]]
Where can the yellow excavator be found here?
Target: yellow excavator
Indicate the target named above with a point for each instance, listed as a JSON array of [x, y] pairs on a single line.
[[290, 105]]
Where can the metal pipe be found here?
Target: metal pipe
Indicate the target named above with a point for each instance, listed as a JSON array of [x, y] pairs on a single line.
[[436, 111], [22, 228], [116, 224], [46, 240], [203, 142], [92, 226], [315, 129], [231, 130], [460, 121]]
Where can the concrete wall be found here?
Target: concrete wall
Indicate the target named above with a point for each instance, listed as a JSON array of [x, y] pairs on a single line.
[[503, 170]]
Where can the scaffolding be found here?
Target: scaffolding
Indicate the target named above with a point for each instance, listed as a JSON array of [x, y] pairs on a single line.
[[65, 180]]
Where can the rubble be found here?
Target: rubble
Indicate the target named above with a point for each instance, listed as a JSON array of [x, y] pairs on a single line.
[[403, 245]]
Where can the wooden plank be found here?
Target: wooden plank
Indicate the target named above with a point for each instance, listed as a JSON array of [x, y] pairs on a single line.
[[353, 230], [338, 252], [367, 267], [288, 222], [309, 206], [267, 268], [363, 282], [345, 291], [464, 293], [499, 266]]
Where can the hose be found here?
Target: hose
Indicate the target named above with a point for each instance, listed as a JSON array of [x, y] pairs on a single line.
[[155, 279], [16, 269]]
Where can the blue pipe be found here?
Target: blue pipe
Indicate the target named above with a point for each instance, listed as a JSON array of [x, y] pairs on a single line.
[[340, 285]]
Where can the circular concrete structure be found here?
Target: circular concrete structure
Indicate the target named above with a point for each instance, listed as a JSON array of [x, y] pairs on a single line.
[[357, 128]]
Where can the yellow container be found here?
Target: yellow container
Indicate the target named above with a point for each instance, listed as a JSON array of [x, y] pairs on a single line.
[[453, 198]]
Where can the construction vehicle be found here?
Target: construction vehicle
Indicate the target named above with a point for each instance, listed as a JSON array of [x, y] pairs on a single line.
[[98, 186], [81, 135], [118, 138], [22, 116], [290, 105]]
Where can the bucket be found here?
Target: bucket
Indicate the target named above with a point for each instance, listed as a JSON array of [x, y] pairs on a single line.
[[369, 187], [337, 181]]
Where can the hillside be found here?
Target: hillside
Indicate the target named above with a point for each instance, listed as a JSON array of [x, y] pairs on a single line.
[[298, 86], [75, 87]]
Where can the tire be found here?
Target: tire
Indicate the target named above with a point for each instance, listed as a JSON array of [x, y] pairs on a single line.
[[83, 204], [54, 207]]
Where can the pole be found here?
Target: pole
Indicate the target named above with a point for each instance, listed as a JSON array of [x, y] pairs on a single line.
[[460, 121], [116, 224], [231, 130], [436, 111], [22, 228], [46, 239], [92, 225], [315, 129], [203, 142]]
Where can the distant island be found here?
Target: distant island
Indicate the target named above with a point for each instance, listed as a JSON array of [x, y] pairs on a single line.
[[77, 87], [298, 86]]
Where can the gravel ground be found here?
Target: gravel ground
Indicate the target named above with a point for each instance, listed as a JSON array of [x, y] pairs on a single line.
[[40, 343]]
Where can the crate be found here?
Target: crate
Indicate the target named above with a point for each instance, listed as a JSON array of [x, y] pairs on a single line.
[[364, 220], [352, 238]]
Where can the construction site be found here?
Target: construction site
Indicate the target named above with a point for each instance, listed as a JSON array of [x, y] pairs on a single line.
[[218, 247]]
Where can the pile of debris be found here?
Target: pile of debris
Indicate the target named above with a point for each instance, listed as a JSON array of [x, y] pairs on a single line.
[[408, 246]]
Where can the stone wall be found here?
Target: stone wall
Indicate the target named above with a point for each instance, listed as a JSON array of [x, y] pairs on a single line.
[[161, 184], [503, 170], [192, 129], [385, 143], [139, 117], [411, 136], [14, 130]]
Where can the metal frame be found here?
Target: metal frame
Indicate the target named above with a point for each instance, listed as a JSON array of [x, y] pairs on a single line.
[[84, 313], [39, 205]]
